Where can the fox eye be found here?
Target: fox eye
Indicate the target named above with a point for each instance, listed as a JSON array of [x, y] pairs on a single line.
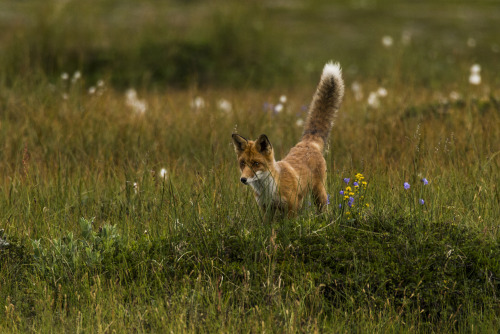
[[242, 164], [256, 163]]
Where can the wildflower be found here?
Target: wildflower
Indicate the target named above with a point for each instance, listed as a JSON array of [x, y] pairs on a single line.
[[373, 100], [283, 98], [348, 189], [92, 90], [136, 187], [356, 184], [278, 108], [425, 182], [387, 41], [421, 201], [475, 79], [299, 122], [198, 103], [406, 185], [340, 206], [367, 205], [475, 74], [382, 92], [77, 75], [346, 197], [364, 183], [476, 68], [346, 180], [163, 173], [139, 106], [328, 199], [100, 83], [351, 202], [224, 105], [65, 76], [357, 90], [359, 176], [454, 96], [341, 192]]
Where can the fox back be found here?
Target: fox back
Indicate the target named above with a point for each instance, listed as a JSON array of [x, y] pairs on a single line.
[[282, 185]]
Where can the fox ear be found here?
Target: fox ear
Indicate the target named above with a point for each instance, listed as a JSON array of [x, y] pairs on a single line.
[[263, 145], [239, 143]]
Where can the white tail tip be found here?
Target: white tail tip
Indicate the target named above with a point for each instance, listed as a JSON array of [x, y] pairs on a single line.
[[332, 69]]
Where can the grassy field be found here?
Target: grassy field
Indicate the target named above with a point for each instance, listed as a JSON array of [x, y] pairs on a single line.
[[120, 205]]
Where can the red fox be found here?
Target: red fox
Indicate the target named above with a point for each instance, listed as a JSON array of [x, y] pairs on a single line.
[[281, 185]]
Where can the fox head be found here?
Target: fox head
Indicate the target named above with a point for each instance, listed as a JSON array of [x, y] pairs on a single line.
[[255, 158]]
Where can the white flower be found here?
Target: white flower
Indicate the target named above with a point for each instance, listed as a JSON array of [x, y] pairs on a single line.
[[163, 173], [357, 90], [300, 122], [387, 41], [476, 68], [92, 90], [283, 98], [136, 187], [475, 79], [382, 92], [100, 83], [224, 105], [65, 76], [454, 96], [77, 75], [278, 108], [139, 106], [373, 100], [198, 103]]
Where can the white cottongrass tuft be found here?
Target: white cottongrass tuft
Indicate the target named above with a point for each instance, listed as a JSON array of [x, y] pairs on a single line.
[[475, 74], [132, 101], [299, 122], [387, 41], [373, 100], [198, 103], [475, 79], [332, 69], [163, 173], [278, 108], [357, 90], [92, 90], [283, 99], [374, 97], [455, 96], [65, 76], [224, 105]]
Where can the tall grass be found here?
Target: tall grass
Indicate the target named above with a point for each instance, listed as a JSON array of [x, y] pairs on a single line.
[[98, 238]]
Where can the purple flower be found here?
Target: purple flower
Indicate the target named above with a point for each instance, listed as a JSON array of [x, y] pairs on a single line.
[[346, 180], [425, 182], [328, 199], [356, 184], [421, 201], [406, 185], [341, 192], [340, 206], [351, 201]]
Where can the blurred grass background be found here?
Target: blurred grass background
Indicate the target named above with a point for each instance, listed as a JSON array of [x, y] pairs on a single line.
[[101, 241]]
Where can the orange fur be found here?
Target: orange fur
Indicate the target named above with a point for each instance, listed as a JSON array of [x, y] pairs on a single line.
[[282, 185]]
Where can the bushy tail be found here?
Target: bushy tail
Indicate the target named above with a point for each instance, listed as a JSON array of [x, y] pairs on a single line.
[[326, 101]]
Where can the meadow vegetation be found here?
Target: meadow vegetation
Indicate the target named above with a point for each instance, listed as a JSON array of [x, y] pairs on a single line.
[[120, 205]]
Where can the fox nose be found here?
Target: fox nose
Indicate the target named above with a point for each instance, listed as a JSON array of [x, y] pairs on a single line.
[[243, 180]]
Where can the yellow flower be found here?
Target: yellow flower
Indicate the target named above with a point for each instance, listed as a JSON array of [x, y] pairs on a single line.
[[346, 197], [348, 189], [364, 183], [347, 213], [367, 205], [351, 194]]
